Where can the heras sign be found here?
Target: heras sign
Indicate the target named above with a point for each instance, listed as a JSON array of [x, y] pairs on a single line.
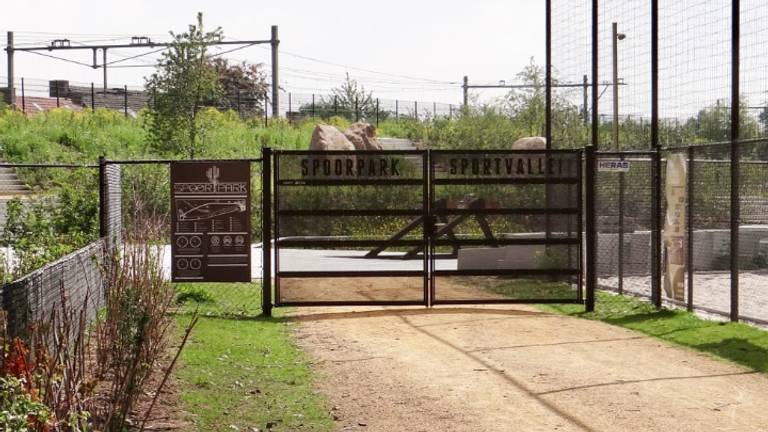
[[211, 228]]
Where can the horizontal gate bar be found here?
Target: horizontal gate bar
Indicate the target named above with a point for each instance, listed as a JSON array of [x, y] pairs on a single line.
[[351, 182], [353, 303], [347, 152], [506, 301], [508, 272], [367, 273], [507, 211], [507, 151], [348, 243], [504, 180], [506, 242], [352, 212]]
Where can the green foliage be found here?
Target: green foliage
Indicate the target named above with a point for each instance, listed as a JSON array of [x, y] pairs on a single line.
[[349, 100], [184, 80], [19, 410], [43, 229], [243, 86]]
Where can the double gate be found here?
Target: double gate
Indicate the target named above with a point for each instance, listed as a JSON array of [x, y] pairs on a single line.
[[427, 227]]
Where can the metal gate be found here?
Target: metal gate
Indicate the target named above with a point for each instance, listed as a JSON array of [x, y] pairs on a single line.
[[427, 227]]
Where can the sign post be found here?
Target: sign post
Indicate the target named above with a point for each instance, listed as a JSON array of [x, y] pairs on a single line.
[[211, 221]]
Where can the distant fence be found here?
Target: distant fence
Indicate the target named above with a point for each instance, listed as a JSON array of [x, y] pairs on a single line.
[[35, 95], [73, 284]]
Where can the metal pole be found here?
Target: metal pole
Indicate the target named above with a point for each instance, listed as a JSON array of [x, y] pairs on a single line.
[[735, 154], [335, 106], [656, 161], [357, 110], [11, 72], [289, 103], [239, 112], [266, 231], [104, 67], [615, 129], [416, 110], [125, 100], [595, 65], [689, 226], [450, 112], [313, 104], [275, 43], [93, 98], [621, 232], [434, 110], [23, 98], [548, 74], [57, 94], [465, 88], [590, 228], [586, 100], [266, 112], [377, 112], [102, 197], [397, 109]]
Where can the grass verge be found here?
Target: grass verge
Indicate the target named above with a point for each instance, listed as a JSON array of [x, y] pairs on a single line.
[[741, 343], [247, 375]]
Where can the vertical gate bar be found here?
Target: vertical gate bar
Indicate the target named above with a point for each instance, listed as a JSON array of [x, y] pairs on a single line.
[[591, 229], [548, 75], [579, 223], [621, 231], [433, 281], [656, 161], [23, 98], [735, 156], [426, 229], [266, 231], [689, 227], [276, 224]]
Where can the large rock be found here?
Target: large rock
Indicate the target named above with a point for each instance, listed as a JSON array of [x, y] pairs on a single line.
[[530, 143], [363, 136], [326, 137]]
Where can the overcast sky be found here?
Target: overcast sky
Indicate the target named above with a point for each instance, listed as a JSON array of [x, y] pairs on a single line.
[[436, 42]]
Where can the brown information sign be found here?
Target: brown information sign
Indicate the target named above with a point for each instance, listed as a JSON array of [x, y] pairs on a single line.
[[211, 226]]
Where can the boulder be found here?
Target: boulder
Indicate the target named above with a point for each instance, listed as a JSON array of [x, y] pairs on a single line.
[[530, 143], [363, 136], [327, 137]]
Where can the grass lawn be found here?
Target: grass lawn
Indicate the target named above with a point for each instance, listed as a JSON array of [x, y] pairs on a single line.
[[245, 374], [740, 343]]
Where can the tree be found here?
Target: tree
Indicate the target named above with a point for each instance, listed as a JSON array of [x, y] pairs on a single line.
[[185, 79], [243, 86], [528, 105], [349, 100]]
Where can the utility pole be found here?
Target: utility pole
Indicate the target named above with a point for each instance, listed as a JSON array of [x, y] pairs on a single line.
[[465, 87], [11, 88], [274, 43], [104, 66]]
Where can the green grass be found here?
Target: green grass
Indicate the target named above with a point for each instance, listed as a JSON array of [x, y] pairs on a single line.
[[533, 289], [245, 373], [740, 343], [228, 300]]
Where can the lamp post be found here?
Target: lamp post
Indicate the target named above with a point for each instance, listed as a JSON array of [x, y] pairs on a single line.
[[616, 38]]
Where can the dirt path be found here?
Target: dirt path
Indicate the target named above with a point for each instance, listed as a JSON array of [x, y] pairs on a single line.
[[517, 369]]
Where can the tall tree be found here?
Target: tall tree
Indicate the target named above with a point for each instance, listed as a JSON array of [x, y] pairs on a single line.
[[243, 86], [184, 80]]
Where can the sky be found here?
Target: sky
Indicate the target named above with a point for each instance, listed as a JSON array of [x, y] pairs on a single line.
[[410, 50]]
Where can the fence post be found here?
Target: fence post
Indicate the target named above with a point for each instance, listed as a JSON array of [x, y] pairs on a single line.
[[266, 113], [335, 106], [239, 113], [590, 227], [450, 112], [416, 110], [735, 155], [289, 102], [266, 231], [125, 100], [434, 110], [621, 231], [397, 109], [377, 112], [103, 197], [23, 98], [57, 94], [313, 105], [357, 109], [93, 98], [689, 226], [656, 227]]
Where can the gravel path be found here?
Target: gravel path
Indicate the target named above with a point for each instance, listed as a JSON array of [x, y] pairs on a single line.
[[514, 368]]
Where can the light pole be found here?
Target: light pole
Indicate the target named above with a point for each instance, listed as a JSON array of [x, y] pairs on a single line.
[[616, 38]]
